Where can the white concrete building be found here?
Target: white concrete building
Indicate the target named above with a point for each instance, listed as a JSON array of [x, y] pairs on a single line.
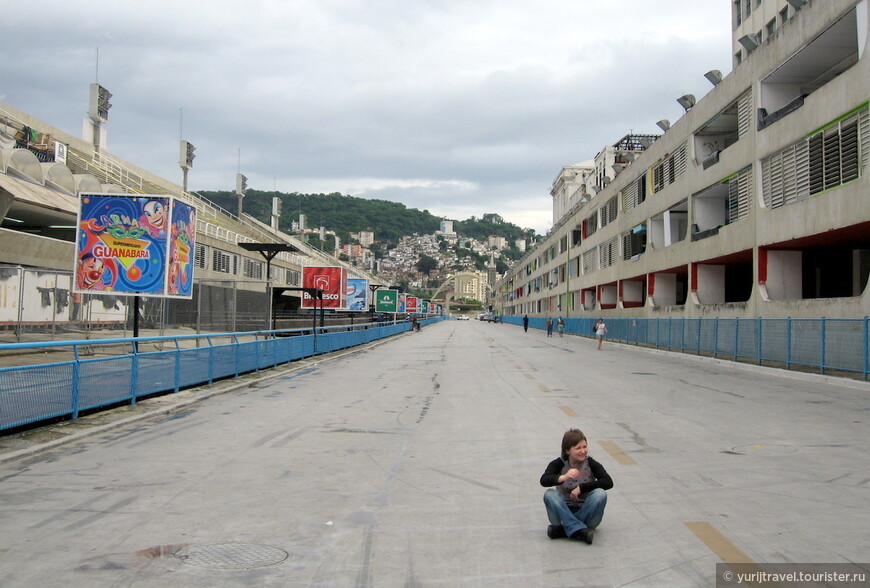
[[470, 284], [753, 204]]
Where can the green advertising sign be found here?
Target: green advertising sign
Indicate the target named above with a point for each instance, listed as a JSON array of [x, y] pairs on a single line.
[[386, 300]]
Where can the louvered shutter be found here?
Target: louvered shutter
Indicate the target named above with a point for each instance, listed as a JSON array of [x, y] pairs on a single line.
[[744, 114]]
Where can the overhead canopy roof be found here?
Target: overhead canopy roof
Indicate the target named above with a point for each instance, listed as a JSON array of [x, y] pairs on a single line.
[[36, 205]]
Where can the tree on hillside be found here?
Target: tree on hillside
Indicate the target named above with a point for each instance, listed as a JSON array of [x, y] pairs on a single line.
[[491, 217], [390, 221], [426, 264]]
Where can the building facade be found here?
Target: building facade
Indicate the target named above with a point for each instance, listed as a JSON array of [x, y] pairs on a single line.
[[471, 285], [755, 203], [43, 169]]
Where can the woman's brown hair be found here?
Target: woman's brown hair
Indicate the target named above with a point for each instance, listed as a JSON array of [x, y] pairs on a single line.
[[571, 438]]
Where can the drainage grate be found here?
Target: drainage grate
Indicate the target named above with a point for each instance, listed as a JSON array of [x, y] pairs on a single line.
[[232, 556]]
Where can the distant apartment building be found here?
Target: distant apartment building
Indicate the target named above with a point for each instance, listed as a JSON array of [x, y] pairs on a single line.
[[753, 204], [353, 250], [366, 238], [569, 187], [496, 242], [470, 284]]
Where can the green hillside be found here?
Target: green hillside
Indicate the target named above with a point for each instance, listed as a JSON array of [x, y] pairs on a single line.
[[347, 214]]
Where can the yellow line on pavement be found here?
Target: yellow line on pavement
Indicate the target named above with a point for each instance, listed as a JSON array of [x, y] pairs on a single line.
[[529, 376], [569, 411], [726, 550], [616, 453], [543, 388]]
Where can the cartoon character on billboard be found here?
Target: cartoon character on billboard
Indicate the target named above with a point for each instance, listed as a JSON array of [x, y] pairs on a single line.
[[154, 218], [181, 244], [90, 272]]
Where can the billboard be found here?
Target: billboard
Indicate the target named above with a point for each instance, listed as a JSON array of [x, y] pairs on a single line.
[[134, 245], [182, 241], [333, 282], [411, 305], [386, 301], [357, 294], [403, 299]]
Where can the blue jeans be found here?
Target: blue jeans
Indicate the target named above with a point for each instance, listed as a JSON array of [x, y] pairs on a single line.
[[588, 516]]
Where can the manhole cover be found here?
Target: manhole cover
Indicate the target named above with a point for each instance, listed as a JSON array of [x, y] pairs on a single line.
[[232, 556]]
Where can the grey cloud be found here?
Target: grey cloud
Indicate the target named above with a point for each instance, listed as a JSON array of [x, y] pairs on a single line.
[[482, 102]]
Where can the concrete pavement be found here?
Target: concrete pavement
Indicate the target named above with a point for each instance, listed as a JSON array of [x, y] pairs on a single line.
[[415, 462]]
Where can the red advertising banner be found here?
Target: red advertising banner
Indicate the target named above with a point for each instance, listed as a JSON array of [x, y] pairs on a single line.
[[333, 282], [411, 304]]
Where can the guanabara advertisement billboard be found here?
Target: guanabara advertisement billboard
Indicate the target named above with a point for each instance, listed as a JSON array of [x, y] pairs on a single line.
[[333, 282], [135, 245]]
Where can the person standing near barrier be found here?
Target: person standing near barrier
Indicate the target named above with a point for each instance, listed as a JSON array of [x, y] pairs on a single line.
[[549, 327], [600, 330], [560, 326], [526, 323], [576, 494]]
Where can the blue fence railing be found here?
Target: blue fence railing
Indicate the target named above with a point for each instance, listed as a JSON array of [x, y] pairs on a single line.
[[823, 344], [91, 374]]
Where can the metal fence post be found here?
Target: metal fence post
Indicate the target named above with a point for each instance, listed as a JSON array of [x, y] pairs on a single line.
[[235, 303], [866, 346], [177, 365], [658, 327], [197, 289], [237, 359], [822, 328], [20, 304], [788, 343], [53, 302], [715, 336], [74, 399], [134, 374], [736, 337], [210, 360], [758, 335], [683, 335]]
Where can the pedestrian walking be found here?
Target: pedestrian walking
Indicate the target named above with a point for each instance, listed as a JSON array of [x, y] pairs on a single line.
[[600, 330], [560, 326], [526, 323], [549, 327]]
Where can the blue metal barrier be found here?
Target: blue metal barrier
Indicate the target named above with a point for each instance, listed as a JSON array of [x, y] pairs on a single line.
[[98, 373], [822, 344]]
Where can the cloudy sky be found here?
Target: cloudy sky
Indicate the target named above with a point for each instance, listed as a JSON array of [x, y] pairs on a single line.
[[460, 107]]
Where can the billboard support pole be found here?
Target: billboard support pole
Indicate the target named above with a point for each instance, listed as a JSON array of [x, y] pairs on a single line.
[[136, 317], [322, 312]]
